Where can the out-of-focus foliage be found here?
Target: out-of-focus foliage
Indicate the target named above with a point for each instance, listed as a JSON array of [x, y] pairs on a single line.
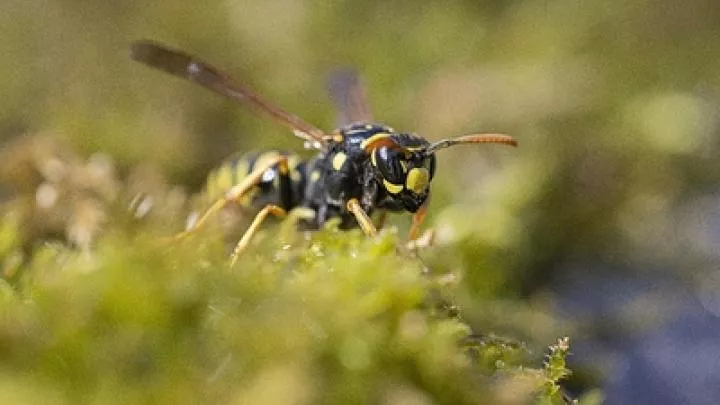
[[336, 318], [602, 226]]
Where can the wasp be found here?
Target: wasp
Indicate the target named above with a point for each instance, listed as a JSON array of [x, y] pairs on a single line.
[[360, 168]]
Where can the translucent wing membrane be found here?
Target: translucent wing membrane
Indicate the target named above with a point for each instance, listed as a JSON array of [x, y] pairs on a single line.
[[348, 93], [193, 69]]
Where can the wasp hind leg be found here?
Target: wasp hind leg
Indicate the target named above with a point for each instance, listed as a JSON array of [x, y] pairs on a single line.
[[236, 193], [270, 209]]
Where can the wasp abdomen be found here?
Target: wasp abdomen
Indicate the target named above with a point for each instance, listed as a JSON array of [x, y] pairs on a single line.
[[282, 189]]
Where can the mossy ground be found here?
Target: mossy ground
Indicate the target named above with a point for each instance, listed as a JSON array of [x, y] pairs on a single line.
[[614, 104], [323, 317]]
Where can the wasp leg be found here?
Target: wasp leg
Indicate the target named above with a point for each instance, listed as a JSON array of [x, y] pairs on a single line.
[[415, 240], [362, 217], [425, 240], [236, 193], [381, 220], [417, 220], [253, 228]]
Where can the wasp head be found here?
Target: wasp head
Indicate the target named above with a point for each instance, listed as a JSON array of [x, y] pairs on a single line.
[[405, 175], [404, 164]]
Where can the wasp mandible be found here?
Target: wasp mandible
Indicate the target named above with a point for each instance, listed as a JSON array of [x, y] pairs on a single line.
[[360, 168]]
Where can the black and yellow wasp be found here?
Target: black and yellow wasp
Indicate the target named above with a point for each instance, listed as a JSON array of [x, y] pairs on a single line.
[[360, 168]]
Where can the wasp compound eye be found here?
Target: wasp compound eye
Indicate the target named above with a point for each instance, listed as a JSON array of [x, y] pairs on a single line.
[[390, 165]]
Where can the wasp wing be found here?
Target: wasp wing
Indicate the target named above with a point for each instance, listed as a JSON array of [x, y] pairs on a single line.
[[195, 70], [348, 93]]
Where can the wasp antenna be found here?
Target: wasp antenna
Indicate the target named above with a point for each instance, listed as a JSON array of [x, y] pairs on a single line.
[[469, 139]]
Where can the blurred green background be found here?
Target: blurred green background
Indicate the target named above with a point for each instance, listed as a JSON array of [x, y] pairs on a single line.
[[602, 225]]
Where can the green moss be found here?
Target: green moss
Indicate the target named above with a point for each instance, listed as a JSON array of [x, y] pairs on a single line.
[[555, 370], [327, 317]]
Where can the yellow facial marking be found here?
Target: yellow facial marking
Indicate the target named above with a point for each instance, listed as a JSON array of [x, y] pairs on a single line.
[[374, 138], [392, 188], [315, 175], [418, 180], [373, 159], [339, 160], [404, 166]]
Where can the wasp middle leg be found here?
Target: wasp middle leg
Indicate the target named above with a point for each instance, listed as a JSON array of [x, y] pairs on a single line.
[[253, 228]]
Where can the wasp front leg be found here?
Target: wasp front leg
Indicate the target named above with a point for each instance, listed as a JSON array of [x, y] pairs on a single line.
[[363, 219], [360, 208], [415, 240], [417, 219], [381, 217]]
